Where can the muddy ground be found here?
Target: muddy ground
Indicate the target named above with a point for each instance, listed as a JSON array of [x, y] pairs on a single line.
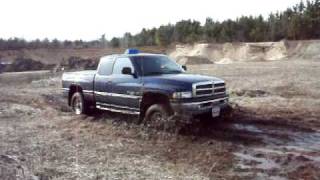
[[274, 132]]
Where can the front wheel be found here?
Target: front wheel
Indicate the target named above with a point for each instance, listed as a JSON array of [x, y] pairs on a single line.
[[158, 116], [78, 103]]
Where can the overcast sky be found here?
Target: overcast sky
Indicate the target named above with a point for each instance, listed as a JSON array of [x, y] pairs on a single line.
[[89, 19]]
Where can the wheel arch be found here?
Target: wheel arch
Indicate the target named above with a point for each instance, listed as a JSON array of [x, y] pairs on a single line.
[[150, 98]]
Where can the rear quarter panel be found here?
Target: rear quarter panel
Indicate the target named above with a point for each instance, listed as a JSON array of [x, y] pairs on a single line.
[[83, 79]]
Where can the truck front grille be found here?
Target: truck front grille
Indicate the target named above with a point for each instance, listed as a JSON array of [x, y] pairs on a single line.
[[208, 88]]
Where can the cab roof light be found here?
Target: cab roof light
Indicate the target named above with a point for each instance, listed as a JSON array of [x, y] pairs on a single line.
[[132, 51]]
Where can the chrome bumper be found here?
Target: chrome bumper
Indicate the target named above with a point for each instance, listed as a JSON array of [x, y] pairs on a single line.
[[196, 108]]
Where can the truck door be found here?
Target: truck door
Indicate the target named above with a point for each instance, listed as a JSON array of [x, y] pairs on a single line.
[[102, 82], [126, 88]]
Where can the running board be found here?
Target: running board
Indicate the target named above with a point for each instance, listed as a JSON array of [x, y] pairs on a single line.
[[118, 110]]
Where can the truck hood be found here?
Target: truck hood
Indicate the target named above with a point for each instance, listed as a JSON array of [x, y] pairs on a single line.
[[189, 78], [178, 82]]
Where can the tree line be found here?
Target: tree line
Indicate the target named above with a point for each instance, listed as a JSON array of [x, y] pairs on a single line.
[[300, 22]]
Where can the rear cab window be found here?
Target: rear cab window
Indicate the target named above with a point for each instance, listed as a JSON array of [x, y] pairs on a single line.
[[106, 65], [120, 63]]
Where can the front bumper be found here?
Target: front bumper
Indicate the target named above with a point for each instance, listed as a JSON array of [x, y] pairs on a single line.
[[199, 107]]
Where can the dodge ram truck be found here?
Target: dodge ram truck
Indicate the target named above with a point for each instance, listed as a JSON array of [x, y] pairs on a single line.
[[149, 85]]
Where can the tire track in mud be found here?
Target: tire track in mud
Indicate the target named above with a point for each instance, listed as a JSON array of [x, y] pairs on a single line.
[[286, 149], [265, 148]]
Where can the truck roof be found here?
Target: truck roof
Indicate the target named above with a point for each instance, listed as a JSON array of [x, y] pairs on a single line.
[[133, 52], [143, 54], [131, 55]]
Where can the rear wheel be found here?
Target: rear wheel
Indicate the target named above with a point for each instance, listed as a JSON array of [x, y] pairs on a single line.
[[78, 103]]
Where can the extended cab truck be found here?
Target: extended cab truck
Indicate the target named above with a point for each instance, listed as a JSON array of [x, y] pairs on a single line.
[[149, 85]]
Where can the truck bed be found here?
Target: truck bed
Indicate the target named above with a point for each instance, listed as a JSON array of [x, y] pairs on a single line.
[[83, 78]]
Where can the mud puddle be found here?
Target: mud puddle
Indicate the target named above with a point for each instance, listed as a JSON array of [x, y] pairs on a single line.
[[283, 153]]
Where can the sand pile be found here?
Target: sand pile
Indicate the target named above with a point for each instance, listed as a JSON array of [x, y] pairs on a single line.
[[193, 60], [241, 52], [305, 49]]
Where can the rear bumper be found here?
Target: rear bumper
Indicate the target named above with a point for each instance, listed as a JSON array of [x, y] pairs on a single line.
[[198, 108]]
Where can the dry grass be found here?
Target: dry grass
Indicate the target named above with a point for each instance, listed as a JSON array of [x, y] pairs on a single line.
[[280, 88], [275, 120]]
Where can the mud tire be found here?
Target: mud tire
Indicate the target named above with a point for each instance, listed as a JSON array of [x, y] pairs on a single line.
[[78, 104], [160, 117]]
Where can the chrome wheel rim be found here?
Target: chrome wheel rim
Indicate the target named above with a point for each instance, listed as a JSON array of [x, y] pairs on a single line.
[[77, 106]]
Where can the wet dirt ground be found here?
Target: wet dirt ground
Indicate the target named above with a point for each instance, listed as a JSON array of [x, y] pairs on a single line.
[[41, 139]]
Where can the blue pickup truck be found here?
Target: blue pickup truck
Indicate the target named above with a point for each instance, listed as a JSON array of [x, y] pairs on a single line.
[[149, 85]]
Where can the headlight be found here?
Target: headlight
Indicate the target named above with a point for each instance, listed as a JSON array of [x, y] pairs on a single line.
[[180, 95]]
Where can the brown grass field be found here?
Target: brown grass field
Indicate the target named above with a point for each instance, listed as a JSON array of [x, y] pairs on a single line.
[[273, 132]]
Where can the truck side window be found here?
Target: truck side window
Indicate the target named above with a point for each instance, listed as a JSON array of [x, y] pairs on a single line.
[[120, 64], [105, 67]]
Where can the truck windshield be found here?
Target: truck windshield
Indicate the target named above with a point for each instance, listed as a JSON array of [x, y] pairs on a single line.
[[156, 65]]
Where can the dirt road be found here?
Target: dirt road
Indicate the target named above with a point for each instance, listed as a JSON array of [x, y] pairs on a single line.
[[273, 133]]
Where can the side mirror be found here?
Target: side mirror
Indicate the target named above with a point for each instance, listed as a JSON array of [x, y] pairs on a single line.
[[127, 71], [184, 67]]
